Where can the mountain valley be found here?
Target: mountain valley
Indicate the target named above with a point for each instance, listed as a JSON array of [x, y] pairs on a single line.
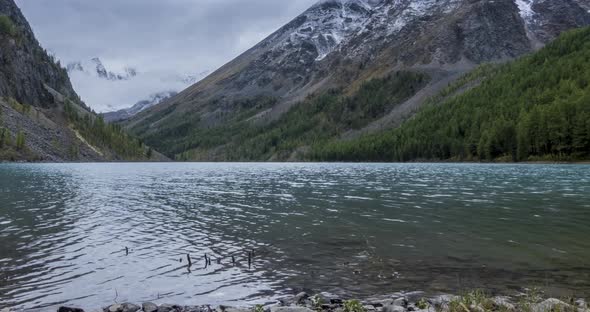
[[339, 50]]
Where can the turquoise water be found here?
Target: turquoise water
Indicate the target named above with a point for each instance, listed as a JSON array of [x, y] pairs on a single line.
[[347, 229]]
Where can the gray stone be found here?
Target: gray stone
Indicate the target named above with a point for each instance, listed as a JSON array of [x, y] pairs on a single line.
[[115, 308], [504, 302], [198, 309], [167, 308], [581, 303], [384, 302], [231, 309], [330, 307], [300, 298], [372, 301], [290, 309], [5, 310], [393, 308], [401, 302], [414, 296], [149, 307], [130, 307], [549, 305], [369, 308], [442, 300], [61, 309], [430, 308]]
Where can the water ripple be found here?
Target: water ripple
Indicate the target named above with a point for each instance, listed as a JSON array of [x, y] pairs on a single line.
[[87, 233]]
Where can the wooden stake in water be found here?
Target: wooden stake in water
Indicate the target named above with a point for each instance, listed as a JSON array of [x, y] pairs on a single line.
[[188, 258], [126, 251]]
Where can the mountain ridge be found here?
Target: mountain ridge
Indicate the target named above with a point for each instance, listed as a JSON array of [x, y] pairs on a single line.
[[41, 116], [109, 88], [126, 113], [337, 44], [532, 109]]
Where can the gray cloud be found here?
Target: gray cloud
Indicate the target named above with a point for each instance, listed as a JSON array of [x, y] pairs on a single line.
[[183, 36]]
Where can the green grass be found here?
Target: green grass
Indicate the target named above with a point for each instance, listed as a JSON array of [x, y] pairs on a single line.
[[422, 304], [353, 306], [477, 299], [319, 118], [317, 302]]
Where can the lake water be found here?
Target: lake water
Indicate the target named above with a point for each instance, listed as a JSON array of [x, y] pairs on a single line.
[[346, 229]]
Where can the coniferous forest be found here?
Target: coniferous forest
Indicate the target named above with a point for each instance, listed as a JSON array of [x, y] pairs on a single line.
[[535, 108]]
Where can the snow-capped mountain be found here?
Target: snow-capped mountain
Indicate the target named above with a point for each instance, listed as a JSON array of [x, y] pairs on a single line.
[[342, 43], [140, 106], [109, 87], [96, 67]]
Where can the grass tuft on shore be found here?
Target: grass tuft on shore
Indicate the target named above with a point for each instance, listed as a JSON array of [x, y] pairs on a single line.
[[353, 306]]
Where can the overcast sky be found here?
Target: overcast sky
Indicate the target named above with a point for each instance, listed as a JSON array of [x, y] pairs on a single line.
[[182, 36]]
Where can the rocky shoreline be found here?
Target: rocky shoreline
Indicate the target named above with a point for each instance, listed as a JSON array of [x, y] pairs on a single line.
[[476, 301]]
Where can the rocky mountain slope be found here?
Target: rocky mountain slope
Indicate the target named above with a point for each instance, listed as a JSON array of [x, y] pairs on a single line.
[[41, 116], [339, 45]]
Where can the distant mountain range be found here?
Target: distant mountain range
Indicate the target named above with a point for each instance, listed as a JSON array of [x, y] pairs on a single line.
[[126, 113], [96, 67], [335, 49], [110, 90]]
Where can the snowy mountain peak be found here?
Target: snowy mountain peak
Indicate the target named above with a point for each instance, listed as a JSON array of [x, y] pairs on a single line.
[[95, 67], [330, 24], [367, 4], [107, 89]]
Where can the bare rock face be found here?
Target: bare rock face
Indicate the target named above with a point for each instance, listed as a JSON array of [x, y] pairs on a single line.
[[550, 18]]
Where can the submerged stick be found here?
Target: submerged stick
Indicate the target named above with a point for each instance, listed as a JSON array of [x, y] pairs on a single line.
[[233, 260], [188, 258], [126, 251]]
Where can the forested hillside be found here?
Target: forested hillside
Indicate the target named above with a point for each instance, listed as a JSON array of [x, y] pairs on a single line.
[[535, 108], [319, 118], [41, 116]]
